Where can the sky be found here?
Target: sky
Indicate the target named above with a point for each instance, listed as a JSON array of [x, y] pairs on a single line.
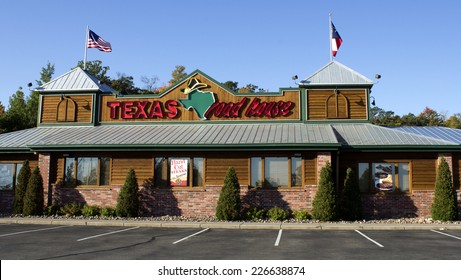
[[262, 42]]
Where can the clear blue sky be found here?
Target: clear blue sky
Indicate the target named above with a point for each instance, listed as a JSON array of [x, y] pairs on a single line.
[[412, 44]]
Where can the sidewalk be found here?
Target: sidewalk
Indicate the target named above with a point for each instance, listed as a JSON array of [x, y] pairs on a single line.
[[235, 225]]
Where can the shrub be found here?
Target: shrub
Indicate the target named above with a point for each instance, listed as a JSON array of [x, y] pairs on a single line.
[[108, 212], [301, 214], [21, 187], [52, 210], [444, 206], [324, 205], [228, 207], [255, 213], [33, 199], [72, 209], [128, 200], [278, 214], [351, 204], [90, 210]]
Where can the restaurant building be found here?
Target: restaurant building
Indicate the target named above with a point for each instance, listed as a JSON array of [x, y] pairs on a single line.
[[182, 141]]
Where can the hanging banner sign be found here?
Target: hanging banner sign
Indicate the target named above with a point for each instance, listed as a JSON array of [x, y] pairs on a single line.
[[178, 172]]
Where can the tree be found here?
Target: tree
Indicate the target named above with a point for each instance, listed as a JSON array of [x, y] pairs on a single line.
[[248, 88], [124, 84], [232, 85], [454, 121], [384, 118], [229, 204], [33, 199], [21, 187], [351, 199], [15, 118], [46, 74], [178, 74], [444, 206], [96, 69], [324, 205], [149, 83], [431, 117], [128, 199]]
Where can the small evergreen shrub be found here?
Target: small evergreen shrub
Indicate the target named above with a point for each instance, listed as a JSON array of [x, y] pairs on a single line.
[[52, 210], [107, 212], [302, 214], [72, 209], [255, 213], [278, 214], [324, 205], [128, 199], [33, 199], [229, 204], [91, 210], [351, 204], [444, 206], [21, 187]]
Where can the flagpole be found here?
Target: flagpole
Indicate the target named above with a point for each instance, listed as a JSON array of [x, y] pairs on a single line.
[[86, 46], [331, 37]]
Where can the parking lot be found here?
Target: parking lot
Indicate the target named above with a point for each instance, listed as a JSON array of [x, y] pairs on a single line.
[[56, 242]]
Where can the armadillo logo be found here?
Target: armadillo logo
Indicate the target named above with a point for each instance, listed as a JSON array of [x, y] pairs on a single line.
[[199, 101]]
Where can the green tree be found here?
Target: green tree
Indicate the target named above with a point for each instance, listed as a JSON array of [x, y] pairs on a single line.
[[128, 199], [444, 206], [15, 117], [96, 69], [351, 200], [324, 205], [46, 74], [33, 199], [124, 84], [454, 121], [21, 187], [384, 118], [431, 117], [234, 86], [178, 74], [229, 204]]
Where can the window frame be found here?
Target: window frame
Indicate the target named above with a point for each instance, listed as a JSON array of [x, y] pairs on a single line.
[[74, 182], [262, 172], [15, 174], [397, 187], [190, 173]]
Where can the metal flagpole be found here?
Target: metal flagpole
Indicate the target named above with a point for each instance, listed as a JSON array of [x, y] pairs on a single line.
[[86, 46], [331, 37]]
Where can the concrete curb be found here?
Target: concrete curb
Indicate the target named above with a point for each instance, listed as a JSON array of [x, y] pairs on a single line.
[[231, 225]]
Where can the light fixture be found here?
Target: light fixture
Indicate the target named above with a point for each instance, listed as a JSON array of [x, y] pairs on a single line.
[[373, 102]]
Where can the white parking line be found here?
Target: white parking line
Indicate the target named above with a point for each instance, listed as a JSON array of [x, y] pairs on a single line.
[[456, 237], [279, 236], [34, 230], [107, 233], [369, 238], [187, 237]]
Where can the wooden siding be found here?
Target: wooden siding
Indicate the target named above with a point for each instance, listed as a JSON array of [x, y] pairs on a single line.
[[216, 169], [352, 104], [424, 174], [144, 168], [83, 110], [221, 95], [310, 169]]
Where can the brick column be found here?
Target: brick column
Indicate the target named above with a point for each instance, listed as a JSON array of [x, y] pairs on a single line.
[[44, 165]]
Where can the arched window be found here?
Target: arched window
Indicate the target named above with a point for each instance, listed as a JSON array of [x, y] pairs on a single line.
[[66, 110], [337, 106]]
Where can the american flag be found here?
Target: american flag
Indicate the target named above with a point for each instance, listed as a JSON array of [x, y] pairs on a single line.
[[94, 41], [336, 40]]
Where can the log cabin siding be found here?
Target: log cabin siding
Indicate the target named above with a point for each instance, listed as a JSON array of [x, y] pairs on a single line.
[[144, 168], [216, 169], [352, 104], [424, 173], [83, 110]]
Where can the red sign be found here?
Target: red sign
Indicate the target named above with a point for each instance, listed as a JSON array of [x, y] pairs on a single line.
[[143, 109]]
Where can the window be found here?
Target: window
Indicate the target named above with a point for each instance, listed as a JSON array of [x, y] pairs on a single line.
[[87, 171], [384, 176], [274, 172], [8, 175], [177, 172]]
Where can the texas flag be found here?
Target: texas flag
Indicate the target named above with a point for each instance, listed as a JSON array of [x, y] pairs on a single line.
[[335, 40]]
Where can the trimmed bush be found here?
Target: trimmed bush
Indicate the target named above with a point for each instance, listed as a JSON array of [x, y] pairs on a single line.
[[21, 187], [128, 199], [72, 209], [324, 205], [444, 206], [301, 214], [52, 210], [90, 210], [228, 207], [107, 212], [351, 204], [255, 213], [278, 214], [33, 199]]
